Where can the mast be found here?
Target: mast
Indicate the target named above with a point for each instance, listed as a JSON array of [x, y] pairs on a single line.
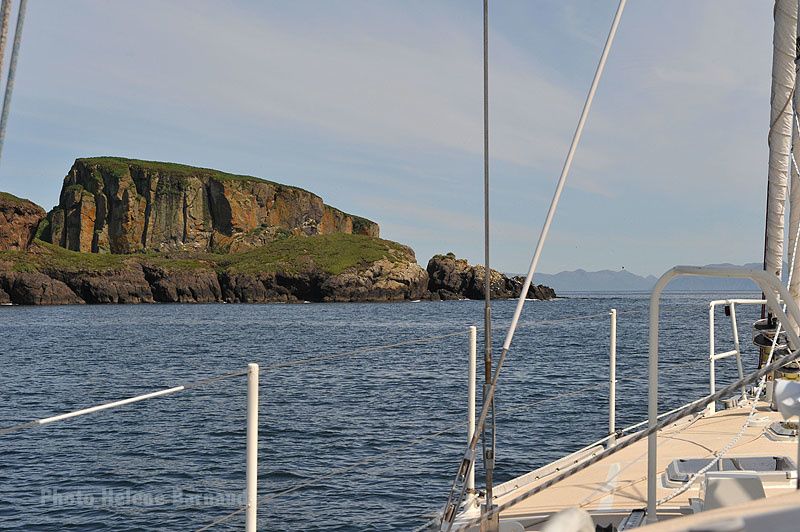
[[780, 140], [780, 130], [488, 435]]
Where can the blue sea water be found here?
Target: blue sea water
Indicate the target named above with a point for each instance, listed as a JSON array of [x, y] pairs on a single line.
[[177, 463]]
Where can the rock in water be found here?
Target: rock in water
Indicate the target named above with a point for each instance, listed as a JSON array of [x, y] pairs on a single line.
[[19, 219], [454, 278], [118, 205], [451, 278], [536, 291]]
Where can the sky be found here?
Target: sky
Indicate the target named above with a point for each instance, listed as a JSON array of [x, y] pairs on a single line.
[[376, 105]]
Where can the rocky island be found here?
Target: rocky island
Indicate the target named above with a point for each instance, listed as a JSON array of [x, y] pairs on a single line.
[[453, 278], [130, 231]]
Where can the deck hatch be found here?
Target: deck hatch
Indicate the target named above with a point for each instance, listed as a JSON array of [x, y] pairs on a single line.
[[773, 468]]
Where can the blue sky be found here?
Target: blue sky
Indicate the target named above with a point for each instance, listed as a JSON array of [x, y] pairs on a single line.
[[376, 106]]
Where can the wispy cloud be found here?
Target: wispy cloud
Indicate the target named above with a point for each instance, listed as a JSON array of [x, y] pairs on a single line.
[[414, 87], [377, 106]]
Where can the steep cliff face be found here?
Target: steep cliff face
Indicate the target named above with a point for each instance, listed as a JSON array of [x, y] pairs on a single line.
[[19, 219], [114, 205]]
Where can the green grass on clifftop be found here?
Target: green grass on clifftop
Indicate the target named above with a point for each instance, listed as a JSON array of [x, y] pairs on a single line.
[[11, 198], [120, 166], [331, 254], [49, 256]]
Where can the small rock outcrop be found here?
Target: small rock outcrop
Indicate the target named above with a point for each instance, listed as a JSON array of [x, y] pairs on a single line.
[[535, 291], [453, 278], [19, 219], [116, 205]]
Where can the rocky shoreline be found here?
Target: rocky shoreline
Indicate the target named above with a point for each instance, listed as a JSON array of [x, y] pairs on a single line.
[[140, 280]]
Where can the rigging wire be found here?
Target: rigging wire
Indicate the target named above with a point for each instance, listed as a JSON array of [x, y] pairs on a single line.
[[210, 380], [489, 442], [12, 69], [456, 494], [360, 351]]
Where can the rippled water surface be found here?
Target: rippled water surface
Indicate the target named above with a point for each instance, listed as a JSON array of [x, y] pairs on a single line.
[[177, 463]]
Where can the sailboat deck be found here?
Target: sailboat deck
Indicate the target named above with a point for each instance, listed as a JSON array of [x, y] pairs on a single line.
[[616, 485]]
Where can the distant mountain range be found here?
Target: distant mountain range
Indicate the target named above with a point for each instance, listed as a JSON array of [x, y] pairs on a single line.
[[625, 281]]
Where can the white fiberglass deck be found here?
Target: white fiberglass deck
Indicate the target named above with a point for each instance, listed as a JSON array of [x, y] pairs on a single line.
[[613, 487]]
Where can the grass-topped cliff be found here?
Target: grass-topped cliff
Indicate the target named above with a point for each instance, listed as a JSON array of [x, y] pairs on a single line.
[[12, 199], [331, 254], [120, 206]]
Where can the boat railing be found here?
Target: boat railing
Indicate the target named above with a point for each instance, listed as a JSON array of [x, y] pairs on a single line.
[[713, 356], [777, 298], [782, 306]]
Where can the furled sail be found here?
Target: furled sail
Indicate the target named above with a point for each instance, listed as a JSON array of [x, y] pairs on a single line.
[[780, 131], [794, 190]]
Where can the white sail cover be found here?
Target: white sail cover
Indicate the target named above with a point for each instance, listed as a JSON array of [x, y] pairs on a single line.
[[780, 131], [794, 191]]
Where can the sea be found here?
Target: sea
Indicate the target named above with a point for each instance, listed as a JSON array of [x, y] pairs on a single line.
[[363, 407]]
